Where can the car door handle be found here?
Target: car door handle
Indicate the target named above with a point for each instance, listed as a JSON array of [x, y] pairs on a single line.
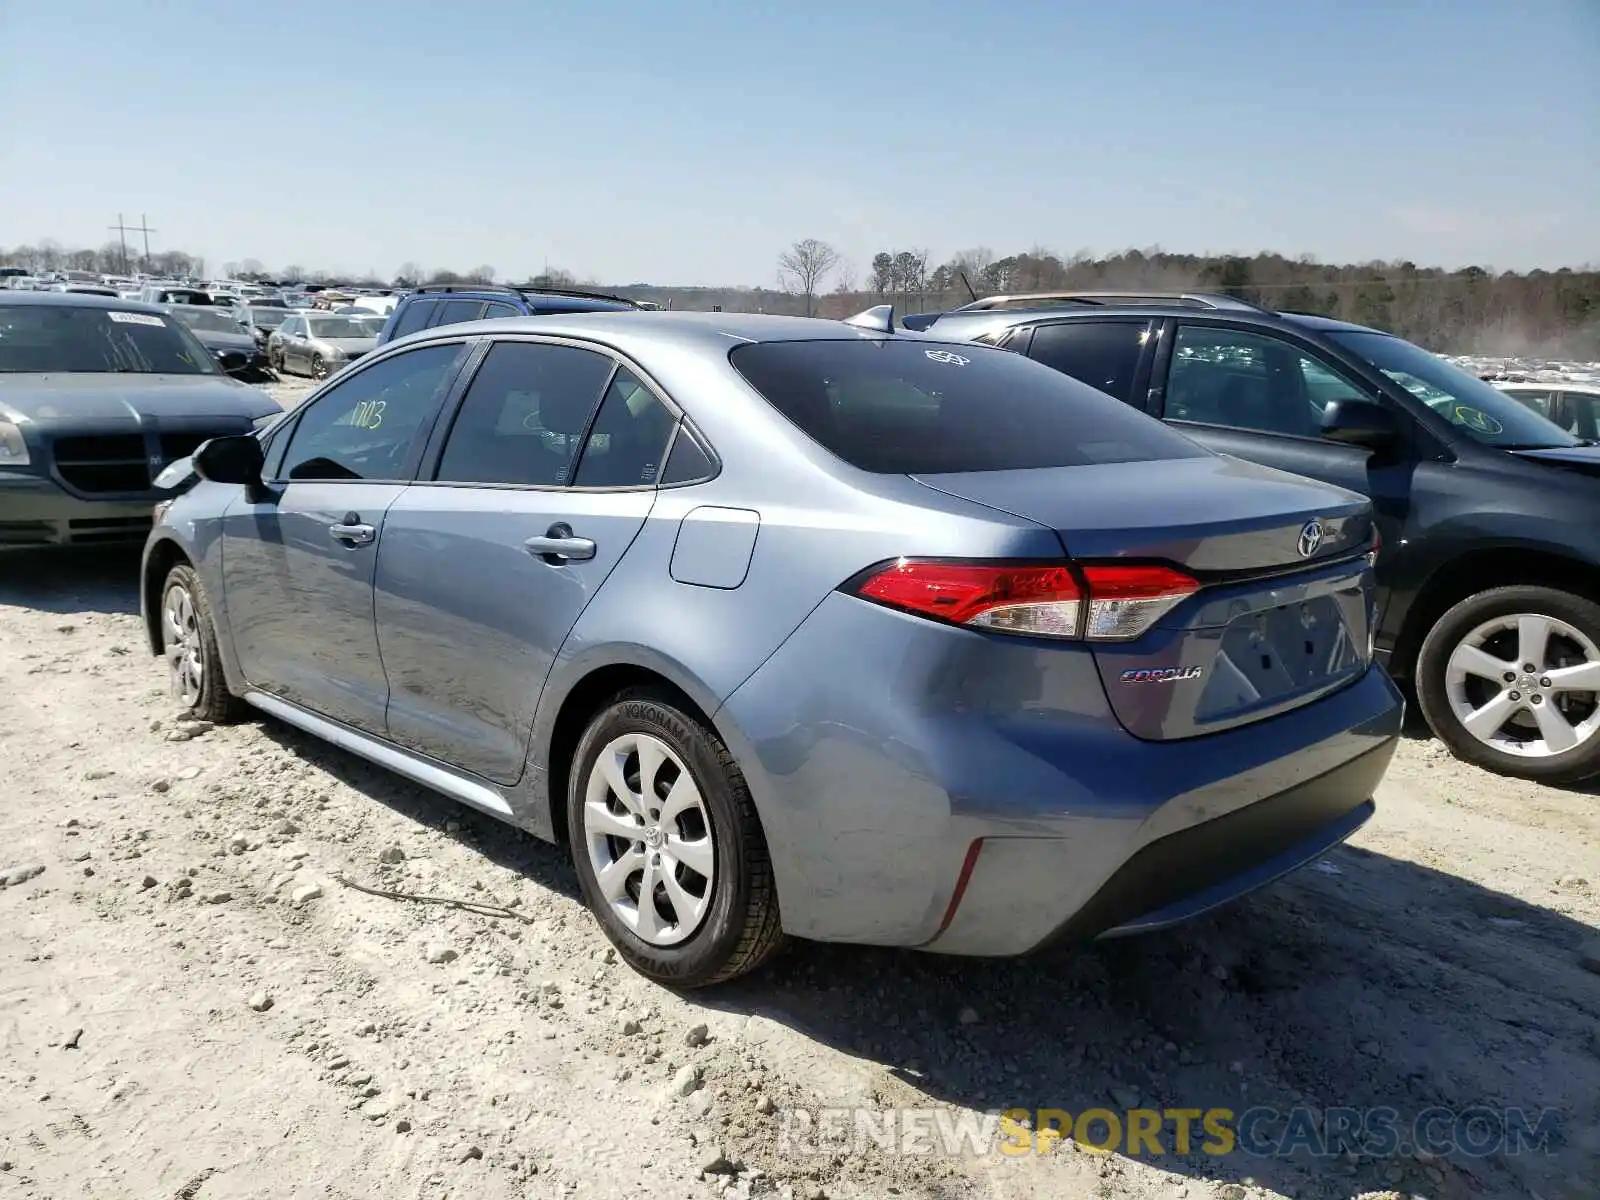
[[558, 545], [352, 531]]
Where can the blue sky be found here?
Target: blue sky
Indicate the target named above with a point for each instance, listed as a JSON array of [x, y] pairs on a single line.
[[691, 141]]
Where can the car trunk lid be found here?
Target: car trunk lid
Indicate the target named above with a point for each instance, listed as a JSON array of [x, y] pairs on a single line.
[[1282, 616]]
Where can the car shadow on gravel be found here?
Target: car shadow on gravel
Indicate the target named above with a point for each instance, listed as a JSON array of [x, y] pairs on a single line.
[[100, 579], [504, 845], [1367, 983]]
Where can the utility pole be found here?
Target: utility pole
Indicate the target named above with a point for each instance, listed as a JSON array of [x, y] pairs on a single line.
[[123, 230]]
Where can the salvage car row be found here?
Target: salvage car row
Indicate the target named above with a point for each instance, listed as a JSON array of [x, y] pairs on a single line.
[[842, 630]]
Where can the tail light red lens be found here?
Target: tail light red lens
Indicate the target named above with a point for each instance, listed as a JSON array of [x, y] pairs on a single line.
[[1112, 603]]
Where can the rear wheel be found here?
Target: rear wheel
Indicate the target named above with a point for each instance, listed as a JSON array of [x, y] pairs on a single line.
[[189, 644], [319, 367], [668, 847], [1510, 680]]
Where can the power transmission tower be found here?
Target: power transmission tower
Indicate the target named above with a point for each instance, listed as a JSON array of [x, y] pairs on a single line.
[[123, 230]]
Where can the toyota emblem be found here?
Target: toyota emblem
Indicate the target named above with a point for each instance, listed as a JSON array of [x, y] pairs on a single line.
[[1310, 538]]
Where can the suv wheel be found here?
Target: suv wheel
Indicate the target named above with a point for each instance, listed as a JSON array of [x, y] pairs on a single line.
[[668, 847], [189, 643], [1510, 680]]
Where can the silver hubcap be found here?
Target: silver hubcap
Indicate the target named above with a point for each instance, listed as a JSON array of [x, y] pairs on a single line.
[[1526, 684], [649, 839], [180, 632]]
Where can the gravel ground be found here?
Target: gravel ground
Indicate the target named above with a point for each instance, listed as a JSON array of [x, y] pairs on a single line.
[[196, 1003]]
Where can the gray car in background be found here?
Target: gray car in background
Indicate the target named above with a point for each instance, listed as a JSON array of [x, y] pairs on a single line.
[[787, 626], [318, 344]]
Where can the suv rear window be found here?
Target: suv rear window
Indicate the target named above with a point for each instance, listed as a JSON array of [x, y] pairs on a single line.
[[915, 407]]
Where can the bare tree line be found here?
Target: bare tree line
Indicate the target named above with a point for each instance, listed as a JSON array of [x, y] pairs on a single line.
[[1470, 310]]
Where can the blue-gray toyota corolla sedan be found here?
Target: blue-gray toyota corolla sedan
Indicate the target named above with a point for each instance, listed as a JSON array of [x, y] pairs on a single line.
[[794, 627]]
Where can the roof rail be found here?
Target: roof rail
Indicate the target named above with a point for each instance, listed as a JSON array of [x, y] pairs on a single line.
[[565, 291], [1215, 300], [522, 289], [465, 287]]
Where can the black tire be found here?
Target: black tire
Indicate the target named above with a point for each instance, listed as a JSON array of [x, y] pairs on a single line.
[[212, 701], [741, 928], [319, 367], [1570, 766]]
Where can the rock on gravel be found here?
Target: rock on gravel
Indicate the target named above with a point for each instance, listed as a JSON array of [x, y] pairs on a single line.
[[438, 952], [303, 896], [259, 1001], [698, 1035], [686, 1080], [12, 876], [391, 855]]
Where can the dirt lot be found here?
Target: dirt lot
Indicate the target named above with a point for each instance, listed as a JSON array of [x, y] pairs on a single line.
[[195, 1003]]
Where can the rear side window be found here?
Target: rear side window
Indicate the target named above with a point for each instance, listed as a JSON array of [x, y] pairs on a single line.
[[414, 316], [917, 407], [629, 438], [496, 308], [523, 416], [1103, 354]]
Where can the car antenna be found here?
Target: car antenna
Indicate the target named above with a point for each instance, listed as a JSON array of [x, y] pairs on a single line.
[[966, 283], [879, 318]]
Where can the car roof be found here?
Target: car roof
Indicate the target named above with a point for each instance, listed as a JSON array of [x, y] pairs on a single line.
[[80, 300], [716, 332]]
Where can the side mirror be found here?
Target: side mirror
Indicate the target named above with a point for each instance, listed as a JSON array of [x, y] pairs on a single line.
[[236, 459], [1360, 423]]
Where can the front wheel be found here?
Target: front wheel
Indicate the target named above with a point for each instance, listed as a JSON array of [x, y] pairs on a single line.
[[319, 367], [668, 847], [189, 643], [1510, 679]]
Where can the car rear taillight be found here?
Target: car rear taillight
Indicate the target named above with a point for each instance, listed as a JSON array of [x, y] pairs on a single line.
[[1377, 547], [1103, 603]]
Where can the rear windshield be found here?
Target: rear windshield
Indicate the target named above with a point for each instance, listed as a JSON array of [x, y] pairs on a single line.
[[69, 338], [914, 407]]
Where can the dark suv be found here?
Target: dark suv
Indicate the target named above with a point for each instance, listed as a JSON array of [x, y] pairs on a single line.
[[1490, 564], [453, 303]]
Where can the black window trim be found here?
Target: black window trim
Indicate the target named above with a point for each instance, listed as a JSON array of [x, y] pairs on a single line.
[[283, 431], [427, 468]]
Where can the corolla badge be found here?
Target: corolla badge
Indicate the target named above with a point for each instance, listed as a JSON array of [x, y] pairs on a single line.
[[1161, 674], [1310, 538]]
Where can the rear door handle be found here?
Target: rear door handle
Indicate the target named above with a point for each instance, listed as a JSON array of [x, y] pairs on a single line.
[[558, 545], [352, 531]]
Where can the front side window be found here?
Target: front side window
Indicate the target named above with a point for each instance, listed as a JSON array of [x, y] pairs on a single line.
[[364, 427], [1103, 354], [523, 416], [73, 340], [1482, 411], [629, 438], [913, 407], [1243, 380], [456, 311]]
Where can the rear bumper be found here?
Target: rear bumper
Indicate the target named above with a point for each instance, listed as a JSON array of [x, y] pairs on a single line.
[[879, 751], [37, 511], [1007, 904]]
